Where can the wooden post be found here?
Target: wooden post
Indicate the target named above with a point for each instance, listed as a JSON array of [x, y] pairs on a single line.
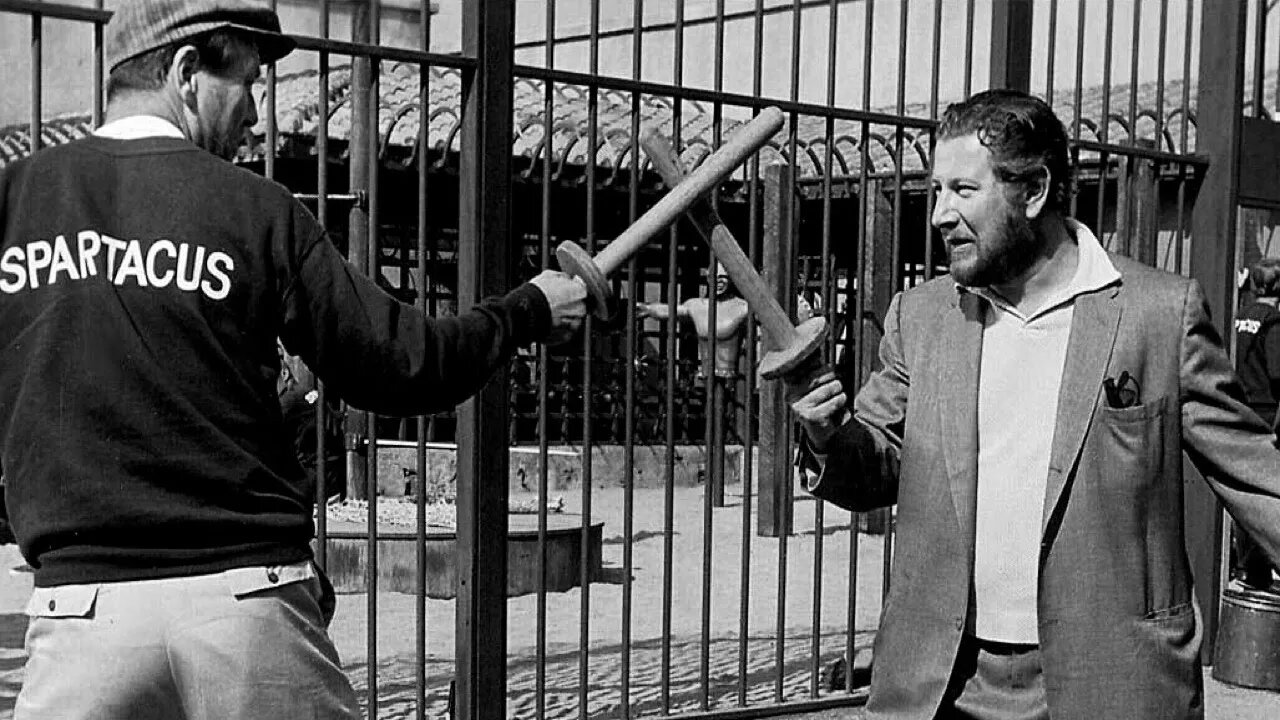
[[775, 488], [486, 257], [1011, 32], [356, 422], [1213, 229], [877, 284], [1143, 207]]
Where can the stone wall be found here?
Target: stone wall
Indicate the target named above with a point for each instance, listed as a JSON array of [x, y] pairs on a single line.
[[397, 467]]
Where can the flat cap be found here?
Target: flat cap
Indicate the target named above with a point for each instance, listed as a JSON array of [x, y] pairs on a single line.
[[139, 26]]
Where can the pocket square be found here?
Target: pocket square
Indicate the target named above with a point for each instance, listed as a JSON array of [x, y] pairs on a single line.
[[1122, 392]]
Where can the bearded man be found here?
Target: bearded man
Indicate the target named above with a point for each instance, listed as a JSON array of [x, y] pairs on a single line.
[[1029, 420]]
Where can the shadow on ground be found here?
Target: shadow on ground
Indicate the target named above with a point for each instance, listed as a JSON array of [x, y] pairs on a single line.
[[681, 678]]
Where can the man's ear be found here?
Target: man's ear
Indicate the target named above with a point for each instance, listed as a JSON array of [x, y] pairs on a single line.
[[1037, 193], [183, 74]]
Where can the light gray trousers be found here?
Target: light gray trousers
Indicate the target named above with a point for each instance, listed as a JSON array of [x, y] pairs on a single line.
[[244, 644]]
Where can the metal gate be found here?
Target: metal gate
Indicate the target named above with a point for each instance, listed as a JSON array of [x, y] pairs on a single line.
[[662, 562]]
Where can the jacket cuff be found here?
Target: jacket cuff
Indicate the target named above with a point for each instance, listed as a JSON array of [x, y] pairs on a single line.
[[852, 447], [529, 314]]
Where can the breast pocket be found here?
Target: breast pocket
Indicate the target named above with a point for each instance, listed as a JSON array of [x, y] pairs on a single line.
[[1129, 442]]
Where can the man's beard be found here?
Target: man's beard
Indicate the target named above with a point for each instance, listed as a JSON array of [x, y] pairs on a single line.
[[1003, 257]]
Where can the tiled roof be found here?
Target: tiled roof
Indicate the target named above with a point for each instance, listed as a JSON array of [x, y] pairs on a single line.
[[297, 111]]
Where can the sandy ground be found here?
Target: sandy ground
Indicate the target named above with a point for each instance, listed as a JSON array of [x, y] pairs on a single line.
[[707, 663]]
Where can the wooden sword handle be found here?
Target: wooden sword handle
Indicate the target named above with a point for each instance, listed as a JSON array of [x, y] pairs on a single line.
[[718, 165]]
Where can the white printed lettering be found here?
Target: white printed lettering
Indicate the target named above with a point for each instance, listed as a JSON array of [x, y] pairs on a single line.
[[12, 264], [132, 266], [62, 261], [196, 267], [153, 276], [1248, 326], [223, 288], [159, 263], [90, 244], [113, 245], [39, 255]]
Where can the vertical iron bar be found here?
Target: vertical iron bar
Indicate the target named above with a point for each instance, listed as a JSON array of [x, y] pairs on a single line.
[[584, 616], [1259, 59], [1076, 100], [927, 250], [371, 420], [37, 82], [860, 295], [544, 368], [792, 154], [1188, 29], [1277, 85], [937, 59], [96, 118], [710, 408], [322, 217], [744, 588], [828, 307], [1134, 57], [713, 407], [485, 261], [968, 47], [269, 153], [898, 278], [424, 275], [1160, 59], [1053, 51], [1104, 157], [629, 389], [673, 256], [753, 243], [669, 470], [1180, 243]]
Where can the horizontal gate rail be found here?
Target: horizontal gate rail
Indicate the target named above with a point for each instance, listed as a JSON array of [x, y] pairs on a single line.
[[55, 10]]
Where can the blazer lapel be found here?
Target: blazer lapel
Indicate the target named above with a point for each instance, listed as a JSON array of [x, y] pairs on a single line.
[[962, 344], [1093, 332]]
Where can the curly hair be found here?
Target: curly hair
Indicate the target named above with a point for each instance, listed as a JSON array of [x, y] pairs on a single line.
[[1023, 134]]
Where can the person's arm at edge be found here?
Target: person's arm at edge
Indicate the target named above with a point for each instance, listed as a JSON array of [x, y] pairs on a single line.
[[1230, 446], [663, 311]]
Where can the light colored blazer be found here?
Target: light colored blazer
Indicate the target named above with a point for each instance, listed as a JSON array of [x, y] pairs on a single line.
[[1119, 632]]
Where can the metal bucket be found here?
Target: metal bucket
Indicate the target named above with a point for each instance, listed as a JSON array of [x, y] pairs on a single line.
[[1247, 651]]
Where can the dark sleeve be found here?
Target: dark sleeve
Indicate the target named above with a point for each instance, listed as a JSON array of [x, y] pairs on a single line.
[[385, 356], [1270, 341], [860, 471], [1230, 446]]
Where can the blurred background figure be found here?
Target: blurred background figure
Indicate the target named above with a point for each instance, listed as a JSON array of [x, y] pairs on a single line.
[[731, 313], [1258, 365]]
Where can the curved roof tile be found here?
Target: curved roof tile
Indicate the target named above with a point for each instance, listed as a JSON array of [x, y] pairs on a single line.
[[399, 120]]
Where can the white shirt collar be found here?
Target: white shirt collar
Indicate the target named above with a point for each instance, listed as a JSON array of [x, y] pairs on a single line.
[[1094, 271], [135, 127]]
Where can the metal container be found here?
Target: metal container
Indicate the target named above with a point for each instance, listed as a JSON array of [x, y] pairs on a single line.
[[1247, 652]]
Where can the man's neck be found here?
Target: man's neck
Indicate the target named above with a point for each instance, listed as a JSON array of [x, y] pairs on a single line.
[[1051, 272], [154, 105]]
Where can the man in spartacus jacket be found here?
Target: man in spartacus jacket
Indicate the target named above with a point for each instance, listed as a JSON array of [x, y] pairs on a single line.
[[151, 483]]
